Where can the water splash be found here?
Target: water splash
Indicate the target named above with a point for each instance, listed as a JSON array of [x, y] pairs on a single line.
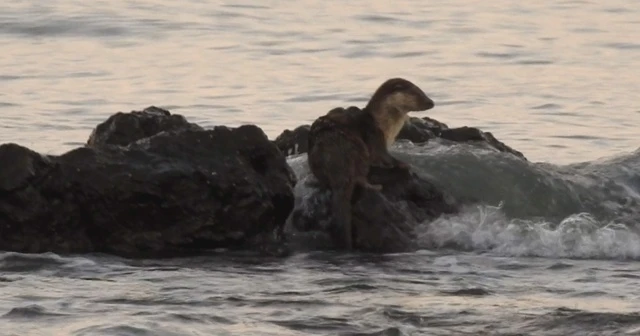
[[584, 210], [486, 228]]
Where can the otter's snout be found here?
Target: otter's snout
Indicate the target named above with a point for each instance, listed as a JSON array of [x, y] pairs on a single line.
[[427, 103], [423, 101]]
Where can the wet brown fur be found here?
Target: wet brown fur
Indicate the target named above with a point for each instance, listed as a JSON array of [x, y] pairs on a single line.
[[345, 143]]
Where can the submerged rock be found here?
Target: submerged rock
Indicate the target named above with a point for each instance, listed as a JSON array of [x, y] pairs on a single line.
[[383, 221], [147, 184], [416, 130]]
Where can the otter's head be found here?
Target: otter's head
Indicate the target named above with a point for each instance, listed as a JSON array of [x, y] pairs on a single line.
[[391, 104], [398, 96]]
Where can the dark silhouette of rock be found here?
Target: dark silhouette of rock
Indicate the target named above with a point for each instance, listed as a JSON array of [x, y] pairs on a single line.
[[124, 128], [294, 142], [147, 184], [383, 221], [417, 130], [471, 134]]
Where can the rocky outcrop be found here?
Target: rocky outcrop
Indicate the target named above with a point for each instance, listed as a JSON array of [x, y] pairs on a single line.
[[383, 221], [294, 142], [416, 130], [124, 128], [147, 184]]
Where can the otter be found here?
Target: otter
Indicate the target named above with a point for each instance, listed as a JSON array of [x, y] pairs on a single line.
[[344, 143]]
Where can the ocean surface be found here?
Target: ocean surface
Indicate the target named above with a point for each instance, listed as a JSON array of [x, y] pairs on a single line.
[[552, 248]]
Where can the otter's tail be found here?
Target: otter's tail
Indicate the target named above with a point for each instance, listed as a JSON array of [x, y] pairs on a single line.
[[341, 210]]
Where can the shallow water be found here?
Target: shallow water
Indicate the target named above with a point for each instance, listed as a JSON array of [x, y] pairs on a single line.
[[550, 249], [319, 294]]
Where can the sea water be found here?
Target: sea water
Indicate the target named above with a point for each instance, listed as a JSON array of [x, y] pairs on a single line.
[[551, 248]]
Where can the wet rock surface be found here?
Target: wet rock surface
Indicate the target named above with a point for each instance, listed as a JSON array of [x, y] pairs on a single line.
[[148, 183], [295, 141], [416, 130], [124, 128], [383, 221]]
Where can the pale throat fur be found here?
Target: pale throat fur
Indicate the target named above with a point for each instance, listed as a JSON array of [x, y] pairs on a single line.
[[392, 114]]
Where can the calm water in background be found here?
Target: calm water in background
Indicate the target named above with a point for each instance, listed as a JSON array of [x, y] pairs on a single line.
[[556, 80]]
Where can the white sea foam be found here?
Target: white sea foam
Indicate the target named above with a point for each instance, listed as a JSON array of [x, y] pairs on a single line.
[[544, 211], [485, 228]]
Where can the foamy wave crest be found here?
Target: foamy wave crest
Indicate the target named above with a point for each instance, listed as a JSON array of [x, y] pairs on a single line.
[[298, 164], [583, 210], [486, 228]]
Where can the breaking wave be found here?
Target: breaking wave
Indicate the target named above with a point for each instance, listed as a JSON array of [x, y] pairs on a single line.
[[584, 210]]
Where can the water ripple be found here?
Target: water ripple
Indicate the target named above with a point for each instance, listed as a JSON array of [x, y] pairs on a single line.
[[561, 92], [29, 312]]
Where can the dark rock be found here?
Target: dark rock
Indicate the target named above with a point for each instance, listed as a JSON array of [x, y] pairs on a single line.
[[383, 221], [19, 166], [417, 130], [179, 191], [124, 128], [293, 142], [470, 134]]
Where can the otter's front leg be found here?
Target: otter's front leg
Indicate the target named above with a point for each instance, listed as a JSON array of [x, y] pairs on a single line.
[[380, 156]]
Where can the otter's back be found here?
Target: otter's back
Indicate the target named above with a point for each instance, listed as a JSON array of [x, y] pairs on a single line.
[[338, 153], [352, 122]]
